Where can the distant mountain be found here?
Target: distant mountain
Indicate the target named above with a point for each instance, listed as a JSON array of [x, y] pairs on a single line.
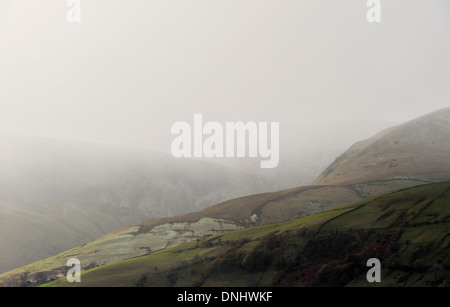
[[416, 150], [55, 194]]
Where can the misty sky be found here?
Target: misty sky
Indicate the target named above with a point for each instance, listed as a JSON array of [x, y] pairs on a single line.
[[132, 68]]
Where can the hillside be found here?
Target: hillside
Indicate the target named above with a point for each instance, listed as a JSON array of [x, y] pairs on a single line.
[[406, 229], [85, 190], [256, 209], [56, 194], [261, 209], [418, 149]]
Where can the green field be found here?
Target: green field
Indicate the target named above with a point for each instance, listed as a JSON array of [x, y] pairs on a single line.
[[408, 230]]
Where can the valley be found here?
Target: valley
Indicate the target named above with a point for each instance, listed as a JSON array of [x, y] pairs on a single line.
[[240, 214]]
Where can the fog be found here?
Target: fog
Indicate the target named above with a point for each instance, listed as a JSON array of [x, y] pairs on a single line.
[[131, 69], [86, 109]]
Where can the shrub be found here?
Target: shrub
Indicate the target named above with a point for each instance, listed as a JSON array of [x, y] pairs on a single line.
[[172, 277], [140, 281], [196, 282], [91, 266], [419, 265], [437, 272], [257, 260]]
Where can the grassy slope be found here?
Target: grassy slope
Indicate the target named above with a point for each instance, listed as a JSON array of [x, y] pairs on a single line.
[[269, 207], [407, 230], [43, 233]]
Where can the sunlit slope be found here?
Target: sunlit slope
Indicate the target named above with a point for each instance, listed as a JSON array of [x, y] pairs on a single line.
[[408, 230]]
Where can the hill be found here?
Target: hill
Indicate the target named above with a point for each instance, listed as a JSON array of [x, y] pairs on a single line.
[[151, 235], [254, 210], [408, 230], [56, 194], [416, 150]]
